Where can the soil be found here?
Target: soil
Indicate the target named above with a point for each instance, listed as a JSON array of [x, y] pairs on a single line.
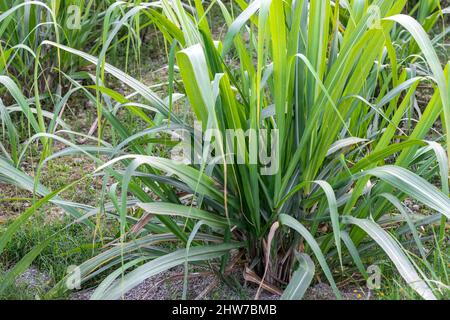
[[169, 285], [33, 280]]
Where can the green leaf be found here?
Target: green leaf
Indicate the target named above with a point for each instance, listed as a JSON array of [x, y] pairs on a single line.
[[189, 212], [297, 226], [414, 186], [395, 253], [301, 278]]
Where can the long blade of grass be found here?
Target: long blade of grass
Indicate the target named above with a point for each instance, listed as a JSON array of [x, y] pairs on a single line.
[[395, 253]]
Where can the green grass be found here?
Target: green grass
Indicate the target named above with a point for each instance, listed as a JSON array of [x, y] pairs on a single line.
[[70, 247], [395, 288], [17, 291]]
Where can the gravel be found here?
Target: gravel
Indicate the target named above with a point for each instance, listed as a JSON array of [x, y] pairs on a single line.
[[34, 280]]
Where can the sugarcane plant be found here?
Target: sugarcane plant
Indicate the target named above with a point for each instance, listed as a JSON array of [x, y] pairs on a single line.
[[305, 140]]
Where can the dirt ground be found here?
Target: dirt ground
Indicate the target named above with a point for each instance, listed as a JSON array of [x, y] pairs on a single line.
[[169, 285]]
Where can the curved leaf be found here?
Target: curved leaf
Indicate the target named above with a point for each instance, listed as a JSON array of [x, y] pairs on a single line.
[[395, 253], [301, 279]]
